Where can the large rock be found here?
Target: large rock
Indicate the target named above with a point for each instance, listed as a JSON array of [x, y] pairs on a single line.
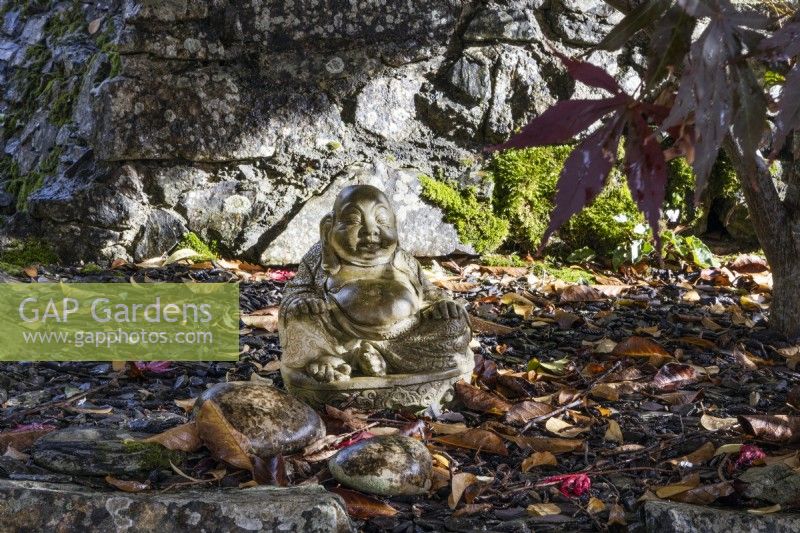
[[777, 483], [422, 230], [31, 506], [234, 120], [671, 517], [100, 452]]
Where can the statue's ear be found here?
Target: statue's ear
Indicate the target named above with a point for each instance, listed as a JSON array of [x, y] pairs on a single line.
[[330, 262]]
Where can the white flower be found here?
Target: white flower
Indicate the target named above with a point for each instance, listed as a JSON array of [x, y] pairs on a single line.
[[640, 229], [622, 217], [673, 214]]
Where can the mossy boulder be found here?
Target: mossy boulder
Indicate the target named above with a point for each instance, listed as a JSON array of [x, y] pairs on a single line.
[[473, 219], [25, 253], [205, 251]]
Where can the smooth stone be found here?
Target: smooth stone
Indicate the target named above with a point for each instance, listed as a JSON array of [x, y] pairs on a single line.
[[673, 517], [100, 452], [32, 506], [389, 465], [273, 421]]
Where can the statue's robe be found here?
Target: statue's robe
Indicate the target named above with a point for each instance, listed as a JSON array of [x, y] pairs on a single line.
[[412, 345]]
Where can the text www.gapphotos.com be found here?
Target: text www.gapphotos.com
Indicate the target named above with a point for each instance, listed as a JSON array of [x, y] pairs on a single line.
[[110, 338]]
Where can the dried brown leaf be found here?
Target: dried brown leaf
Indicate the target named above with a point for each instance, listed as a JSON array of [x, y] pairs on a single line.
[[539, 459], [705, 494], [613, 432], [23, 437], [776, 428], [487, 327], [363, 507], [673, 376], [266, 319], [476, 439], [713, 423], [701, 455], [521, 413], [581, 293], [184, 438], [749, 264], [477, 399], [127, 485], [546, 444], [543, 509], [221, 438], [639, 347]]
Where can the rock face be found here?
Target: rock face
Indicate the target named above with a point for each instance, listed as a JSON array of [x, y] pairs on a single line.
[[274, 422], [31, 506], [671, 517], [99, 452], [776, 483], [234, 119], [389, 465]]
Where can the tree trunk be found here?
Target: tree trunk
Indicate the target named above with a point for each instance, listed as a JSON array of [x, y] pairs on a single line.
[[777, 225]]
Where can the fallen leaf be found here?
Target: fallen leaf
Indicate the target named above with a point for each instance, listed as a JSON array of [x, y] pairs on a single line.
[[539, 459], [516, 272], [749, 264], [521, 413], [673, 376], [118, 263], [543, 509], [605, 391], [681, 397], [595, 506], [184, 438], [31, 271], [705, 494], [363, 507], [187, 405], [473, 508], [350, 418], [448, 429], [688, 483], [639, 347], [476, 439], [456, 286], [728, 448], [270, 471], [580, 293], [613, 432], [94, 25], [777, 428], [605, 346], [23, 437], [460, 482], [616, 516], [765, 510], [712, 423], [562, 428], [477, 399], [546, 444], [182, 254], [697, 457], [220, 437], [486, 327], [126, 485]]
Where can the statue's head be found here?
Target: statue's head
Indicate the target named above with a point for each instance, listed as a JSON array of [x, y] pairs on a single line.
[[360, 230]]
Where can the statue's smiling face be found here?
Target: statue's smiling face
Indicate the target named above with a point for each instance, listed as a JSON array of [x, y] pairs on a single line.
[[364, 229]]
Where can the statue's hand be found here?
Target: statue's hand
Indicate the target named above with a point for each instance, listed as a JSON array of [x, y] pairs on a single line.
[[444, 310], [328, 368], [309, 305], [370, 360]]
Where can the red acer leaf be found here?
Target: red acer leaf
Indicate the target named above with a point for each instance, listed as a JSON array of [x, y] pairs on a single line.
[[562, 122], [784, 43], [589, 74], [697, 8], [669, 43], [156, 367], [584, 174], [748, 455], [570, 485], [646, 170], [361, 435]]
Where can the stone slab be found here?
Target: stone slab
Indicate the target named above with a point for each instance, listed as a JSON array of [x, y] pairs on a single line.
[[671, 517], [33, 506]]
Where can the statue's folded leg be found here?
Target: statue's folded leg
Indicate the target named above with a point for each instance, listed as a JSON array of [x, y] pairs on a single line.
[[434, 345], [308, 343]]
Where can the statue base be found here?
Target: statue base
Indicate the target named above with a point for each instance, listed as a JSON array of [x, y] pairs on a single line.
[[413, 392]]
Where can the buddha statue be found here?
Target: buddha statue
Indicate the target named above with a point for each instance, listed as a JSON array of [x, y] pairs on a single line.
[[360, 322]]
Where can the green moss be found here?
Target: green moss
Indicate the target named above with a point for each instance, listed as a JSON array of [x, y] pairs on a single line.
[[680, 189], [153, 455], [105, 42], [66, 21], [511, 260], [333, 145], [564, 273], [91, 268], [22, 185], [473, 220], [205, 252], [723, 182], [26, 253], [62, 106], [525, 185]]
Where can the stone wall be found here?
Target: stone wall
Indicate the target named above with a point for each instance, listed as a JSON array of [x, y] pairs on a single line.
[[126, 124]]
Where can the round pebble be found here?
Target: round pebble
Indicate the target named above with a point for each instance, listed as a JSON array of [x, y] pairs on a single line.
[[389, 465], [273, 421]]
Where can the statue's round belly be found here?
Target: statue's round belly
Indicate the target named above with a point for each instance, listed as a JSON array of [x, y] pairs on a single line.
[[376, 302]]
